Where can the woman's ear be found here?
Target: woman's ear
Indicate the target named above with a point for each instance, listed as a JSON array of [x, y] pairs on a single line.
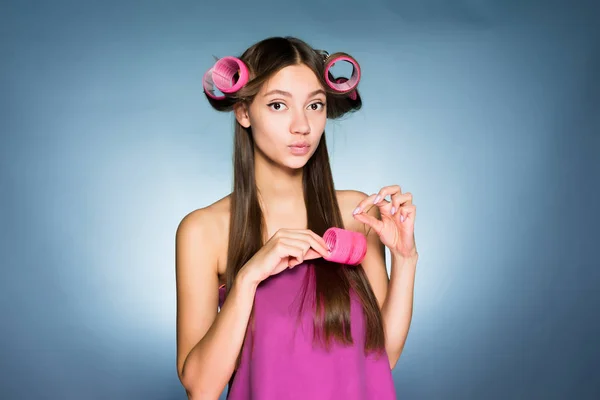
[[241, 114]]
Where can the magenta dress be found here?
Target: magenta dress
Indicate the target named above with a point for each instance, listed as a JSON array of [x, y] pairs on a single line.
[[279, 362]]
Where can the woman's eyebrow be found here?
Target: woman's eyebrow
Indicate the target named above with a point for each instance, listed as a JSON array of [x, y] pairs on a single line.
[[288, 94]]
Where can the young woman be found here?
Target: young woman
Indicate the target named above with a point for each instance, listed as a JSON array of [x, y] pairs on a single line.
[[293, 323]]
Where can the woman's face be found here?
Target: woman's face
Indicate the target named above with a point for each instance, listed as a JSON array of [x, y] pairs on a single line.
[[287, 117]]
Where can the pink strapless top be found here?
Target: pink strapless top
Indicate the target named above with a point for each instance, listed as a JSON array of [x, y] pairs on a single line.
[[279, 362]]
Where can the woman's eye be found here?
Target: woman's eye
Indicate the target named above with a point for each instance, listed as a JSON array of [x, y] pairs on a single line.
[[276, 106], [317, 106]]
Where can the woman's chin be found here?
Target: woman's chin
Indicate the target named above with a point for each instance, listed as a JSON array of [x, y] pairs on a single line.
[[296, 162]]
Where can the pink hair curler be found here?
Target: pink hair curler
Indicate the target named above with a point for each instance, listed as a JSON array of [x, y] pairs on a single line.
[[223, 76], [347, 85], [352, 94], [209, 85], [347, 247]]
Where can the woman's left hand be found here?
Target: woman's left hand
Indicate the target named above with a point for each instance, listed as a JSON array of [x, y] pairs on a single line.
[[396, 229]]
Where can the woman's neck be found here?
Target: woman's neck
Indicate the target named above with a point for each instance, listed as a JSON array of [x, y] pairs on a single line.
[[280, 190]]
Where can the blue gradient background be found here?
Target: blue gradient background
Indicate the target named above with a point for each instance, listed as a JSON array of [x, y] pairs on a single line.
[[488, 112]]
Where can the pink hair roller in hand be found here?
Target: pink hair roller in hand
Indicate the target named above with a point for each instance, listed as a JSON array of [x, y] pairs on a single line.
[[223, 76], [347, 247], [346, 85]]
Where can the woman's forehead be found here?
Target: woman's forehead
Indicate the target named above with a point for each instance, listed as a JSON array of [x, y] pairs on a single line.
[[295, 80]]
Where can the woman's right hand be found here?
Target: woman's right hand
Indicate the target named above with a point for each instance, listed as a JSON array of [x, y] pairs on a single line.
[[285, 249]]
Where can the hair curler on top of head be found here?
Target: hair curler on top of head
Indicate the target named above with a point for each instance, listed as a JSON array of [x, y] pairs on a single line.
[[342, 85], [230, 74]]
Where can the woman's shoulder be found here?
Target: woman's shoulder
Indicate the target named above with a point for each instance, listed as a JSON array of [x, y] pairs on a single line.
[[349, 196], [209, 223], [209, 216]]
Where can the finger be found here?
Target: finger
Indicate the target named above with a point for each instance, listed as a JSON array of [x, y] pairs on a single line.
[[306, 242], [299, 243], [387, 191], [400, 200], [385, 207], [318, 239], [367, 204], [364, 204], [373, 222], [312, 254], [405, 213], [289, 257], [294, 254], [315, 241]]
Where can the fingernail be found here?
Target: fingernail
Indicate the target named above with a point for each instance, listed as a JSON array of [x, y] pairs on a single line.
[[356, 211], [377, 199], [393, 210], [402, 218]]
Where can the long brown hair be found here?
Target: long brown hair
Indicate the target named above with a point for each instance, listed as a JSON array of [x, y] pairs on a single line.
[[332, 281]]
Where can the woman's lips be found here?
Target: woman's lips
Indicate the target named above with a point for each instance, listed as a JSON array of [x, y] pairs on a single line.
[[300, 148]]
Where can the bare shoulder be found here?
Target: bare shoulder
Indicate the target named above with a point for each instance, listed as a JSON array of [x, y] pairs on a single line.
[[348, 200], [205, 220], [213, 216], [207, 227]]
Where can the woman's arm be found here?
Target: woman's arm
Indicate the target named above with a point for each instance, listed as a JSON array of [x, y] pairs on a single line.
[[208, 343], [398, 305], [394, 293]]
